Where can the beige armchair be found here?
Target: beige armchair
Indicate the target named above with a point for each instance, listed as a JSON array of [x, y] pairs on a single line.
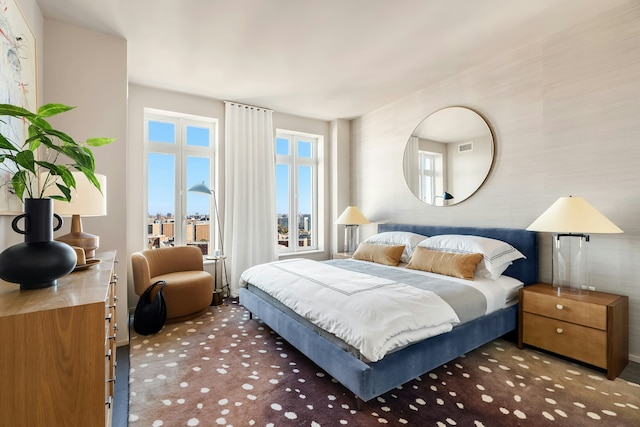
[[189, 288]]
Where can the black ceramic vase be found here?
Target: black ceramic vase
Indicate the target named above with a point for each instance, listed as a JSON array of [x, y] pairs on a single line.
[[39, 261]]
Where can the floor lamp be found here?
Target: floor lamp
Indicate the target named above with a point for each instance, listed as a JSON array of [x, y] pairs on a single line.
[[202, 188], [571, 220]]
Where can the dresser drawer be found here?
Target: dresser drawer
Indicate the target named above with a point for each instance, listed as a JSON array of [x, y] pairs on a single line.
[[570, 310], [577, 342]]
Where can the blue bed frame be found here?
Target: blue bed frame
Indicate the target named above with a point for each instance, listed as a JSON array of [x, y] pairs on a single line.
[[367, 381]]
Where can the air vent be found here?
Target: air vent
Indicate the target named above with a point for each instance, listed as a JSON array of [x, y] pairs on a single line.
[[467, 146]]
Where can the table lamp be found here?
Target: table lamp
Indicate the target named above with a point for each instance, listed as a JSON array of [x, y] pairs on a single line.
[[351, 218], [571, 220], [86, 200]]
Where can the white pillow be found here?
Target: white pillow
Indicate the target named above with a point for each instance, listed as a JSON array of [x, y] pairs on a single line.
[[397, 238], [497, 255]]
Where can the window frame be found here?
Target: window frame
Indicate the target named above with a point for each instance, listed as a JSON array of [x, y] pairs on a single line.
[[181, 152], [295, 162]]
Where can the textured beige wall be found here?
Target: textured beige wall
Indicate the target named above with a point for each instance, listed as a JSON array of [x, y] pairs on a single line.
[[89, 70], [566, 115]]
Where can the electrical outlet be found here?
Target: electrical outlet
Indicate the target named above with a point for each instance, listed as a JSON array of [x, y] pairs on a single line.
[[592, 288]]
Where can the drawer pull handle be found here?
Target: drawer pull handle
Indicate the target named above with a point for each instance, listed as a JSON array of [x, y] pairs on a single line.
[[559, 306], [559, 330]]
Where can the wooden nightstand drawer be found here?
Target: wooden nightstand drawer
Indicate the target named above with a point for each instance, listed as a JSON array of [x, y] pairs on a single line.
[[578, 312], [592, 327], [582, 343]]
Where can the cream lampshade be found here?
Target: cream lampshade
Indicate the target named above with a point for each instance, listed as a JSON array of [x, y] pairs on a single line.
[[571, 217], [351, 218], [86, 200]]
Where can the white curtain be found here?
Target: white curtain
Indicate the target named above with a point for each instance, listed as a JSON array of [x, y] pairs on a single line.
[[250, 231], [411, 164]]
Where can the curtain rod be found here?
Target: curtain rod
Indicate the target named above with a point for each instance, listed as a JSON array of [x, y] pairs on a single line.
[[247, 106]]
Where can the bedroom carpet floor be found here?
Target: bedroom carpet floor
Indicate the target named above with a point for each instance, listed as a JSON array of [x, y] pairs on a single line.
[[223, 369]]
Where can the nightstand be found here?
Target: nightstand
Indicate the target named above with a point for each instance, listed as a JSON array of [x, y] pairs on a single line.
[[341, 255], [591, 327]]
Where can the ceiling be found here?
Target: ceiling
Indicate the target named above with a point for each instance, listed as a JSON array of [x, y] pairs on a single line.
[[321, 59]]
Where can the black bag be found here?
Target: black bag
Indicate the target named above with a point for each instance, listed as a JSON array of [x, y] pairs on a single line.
[[150, 314]]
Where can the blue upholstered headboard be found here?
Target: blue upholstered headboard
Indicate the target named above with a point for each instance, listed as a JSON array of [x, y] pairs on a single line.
[[525, 241]]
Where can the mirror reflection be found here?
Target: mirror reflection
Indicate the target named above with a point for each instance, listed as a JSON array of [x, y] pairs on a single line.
[[448, 156]]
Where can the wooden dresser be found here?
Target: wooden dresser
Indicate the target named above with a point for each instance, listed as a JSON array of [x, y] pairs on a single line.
[[591, 327], [57, 352]]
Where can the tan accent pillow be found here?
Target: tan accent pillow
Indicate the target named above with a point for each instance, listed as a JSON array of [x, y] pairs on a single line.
[[382, 254], [447, 263]]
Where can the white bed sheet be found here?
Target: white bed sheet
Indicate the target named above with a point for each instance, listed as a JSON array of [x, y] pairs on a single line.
[[499, 293]]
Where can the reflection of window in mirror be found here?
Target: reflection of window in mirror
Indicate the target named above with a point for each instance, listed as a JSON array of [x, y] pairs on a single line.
[[431, 177]]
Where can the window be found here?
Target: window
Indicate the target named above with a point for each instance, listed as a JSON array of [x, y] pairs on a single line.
[[297, 191], [180, 153], [427, 175], [431, 178]]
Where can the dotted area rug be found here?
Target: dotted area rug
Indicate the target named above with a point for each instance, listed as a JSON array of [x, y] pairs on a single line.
[[223, 369]]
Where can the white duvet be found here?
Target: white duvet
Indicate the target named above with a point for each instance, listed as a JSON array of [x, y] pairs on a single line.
[[372, 314]]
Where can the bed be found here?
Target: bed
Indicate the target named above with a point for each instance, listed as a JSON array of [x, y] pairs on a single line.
[[367, 380]]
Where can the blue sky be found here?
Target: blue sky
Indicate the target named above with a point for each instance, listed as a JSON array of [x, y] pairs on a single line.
[[162, 173]]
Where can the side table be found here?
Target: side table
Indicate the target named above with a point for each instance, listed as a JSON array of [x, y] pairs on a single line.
[[591, 327], [218, 269]]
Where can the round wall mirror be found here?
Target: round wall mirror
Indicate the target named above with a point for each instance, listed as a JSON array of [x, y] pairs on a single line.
[[448, 156]]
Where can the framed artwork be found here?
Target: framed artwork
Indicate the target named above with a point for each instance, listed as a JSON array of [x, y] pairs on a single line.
[[18, 86]]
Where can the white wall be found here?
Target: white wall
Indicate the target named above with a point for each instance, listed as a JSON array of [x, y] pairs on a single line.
[[89, 70], [565, 115]]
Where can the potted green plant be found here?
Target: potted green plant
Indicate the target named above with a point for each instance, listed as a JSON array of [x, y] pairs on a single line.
[[46, 157]]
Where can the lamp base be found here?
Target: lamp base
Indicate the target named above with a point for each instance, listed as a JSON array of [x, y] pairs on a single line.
[[570, 263], [351, 237], [88, 242]]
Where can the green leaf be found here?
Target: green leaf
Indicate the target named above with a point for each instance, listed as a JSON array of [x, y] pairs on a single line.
[[65, 191], [14, 111], [18, 182], [67, 176], [99, 142], [52, 167], [61, 135], [39, 122], [5, 144], [26, 160], [49, 110]]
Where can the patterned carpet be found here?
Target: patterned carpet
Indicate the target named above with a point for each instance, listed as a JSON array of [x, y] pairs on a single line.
[[223, 369]]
